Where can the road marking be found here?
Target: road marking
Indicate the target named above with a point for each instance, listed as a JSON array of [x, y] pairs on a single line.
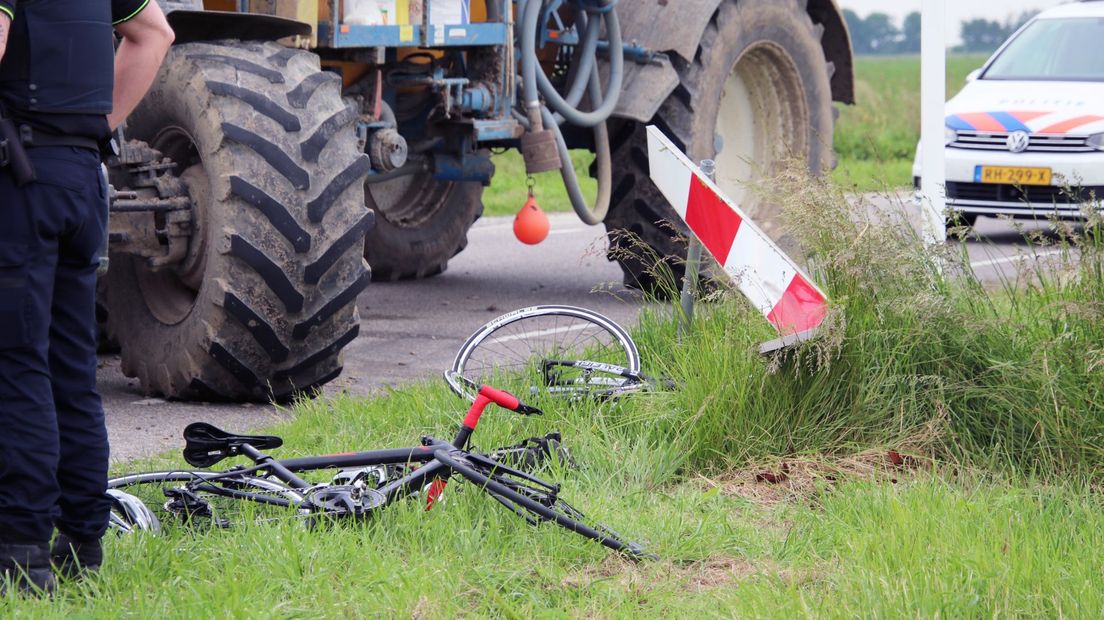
[[541, 332], [1012, 259]]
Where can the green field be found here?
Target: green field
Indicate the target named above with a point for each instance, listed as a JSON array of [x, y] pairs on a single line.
[[938, 452], [875, 139], [509, 190]]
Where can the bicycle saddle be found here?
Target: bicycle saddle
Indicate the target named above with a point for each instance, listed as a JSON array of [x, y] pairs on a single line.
[[206, 445]]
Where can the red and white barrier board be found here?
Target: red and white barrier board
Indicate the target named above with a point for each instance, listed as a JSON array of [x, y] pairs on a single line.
[[769, 278]]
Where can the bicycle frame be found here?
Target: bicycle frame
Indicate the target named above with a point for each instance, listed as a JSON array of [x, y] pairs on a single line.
[[431, 472], [619, 376], [276, 481]]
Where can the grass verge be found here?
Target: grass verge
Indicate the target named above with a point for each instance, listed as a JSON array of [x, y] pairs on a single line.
[[937, 452], [901, 543]]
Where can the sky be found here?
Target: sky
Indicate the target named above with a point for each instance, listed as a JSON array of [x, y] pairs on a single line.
[[957, 10]]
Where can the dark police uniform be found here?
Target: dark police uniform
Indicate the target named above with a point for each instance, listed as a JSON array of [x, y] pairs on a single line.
[[56, 81]]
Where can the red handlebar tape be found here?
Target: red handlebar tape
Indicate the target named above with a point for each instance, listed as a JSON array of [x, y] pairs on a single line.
[[488, 395], [501, 398]]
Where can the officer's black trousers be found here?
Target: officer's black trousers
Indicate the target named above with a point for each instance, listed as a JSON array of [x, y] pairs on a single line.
[[53, 443]]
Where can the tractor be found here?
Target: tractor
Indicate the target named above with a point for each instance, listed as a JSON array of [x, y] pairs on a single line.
[[291, 151]]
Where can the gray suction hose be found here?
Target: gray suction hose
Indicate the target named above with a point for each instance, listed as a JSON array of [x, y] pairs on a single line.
[[586, 57], [537, 117], [566, 108], [530, 18], [590, 216], [536, 83]]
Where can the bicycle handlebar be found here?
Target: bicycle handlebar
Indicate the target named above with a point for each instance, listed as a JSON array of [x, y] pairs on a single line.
[[502, 398]]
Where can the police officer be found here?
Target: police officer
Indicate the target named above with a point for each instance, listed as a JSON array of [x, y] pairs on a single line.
[[63, 87]]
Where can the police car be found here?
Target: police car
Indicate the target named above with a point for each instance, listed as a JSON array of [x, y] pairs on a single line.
[[1025, 137]]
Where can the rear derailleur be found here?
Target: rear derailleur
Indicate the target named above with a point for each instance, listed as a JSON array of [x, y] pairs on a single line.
[[190, 508]]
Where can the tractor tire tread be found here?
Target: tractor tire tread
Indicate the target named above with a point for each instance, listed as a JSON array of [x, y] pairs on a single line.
[[260, 328]]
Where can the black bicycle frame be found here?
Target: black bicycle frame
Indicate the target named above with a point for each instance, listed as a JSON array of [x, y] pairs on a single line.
[[433, 463], [432, 469]]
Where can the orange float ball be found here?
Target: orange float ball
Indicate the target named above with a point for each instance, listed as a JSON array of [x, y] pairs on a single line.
[[531, 224]]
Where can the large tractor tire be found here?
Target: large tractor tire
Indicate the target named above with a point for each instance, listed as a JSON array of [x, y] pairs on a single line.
[[755, 95], [266, 298], [421, 223]]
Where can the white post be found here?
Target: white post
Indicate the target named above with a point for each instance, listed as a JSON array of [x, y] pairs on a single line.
[[933, 95]]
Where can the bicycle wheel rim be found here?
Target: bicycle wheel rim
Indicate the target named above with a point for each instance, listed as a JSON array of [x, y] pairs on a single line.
[[506, 352], [225, 495]]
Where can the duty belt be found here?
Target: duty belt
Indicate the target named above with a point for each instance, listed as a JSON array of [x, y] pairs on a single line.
[[33, 139], [16, 139]]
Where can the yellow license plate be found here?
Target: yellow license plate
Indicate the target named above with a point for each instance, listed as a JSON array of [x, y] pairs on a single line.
[[1014, 175]]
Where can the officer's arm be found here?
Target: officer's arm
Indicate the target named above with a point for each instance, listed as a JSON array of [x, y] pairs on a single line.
[[146, 38], [7, 13]]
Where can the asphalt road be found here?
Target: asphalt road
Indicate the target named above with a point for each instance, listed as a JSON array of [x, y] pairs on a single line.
[[411, 330], [1000, 250]]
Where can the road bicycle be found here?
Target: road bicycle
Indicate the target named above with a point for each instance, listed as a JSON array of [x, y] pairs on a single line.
[[359, 484], [562, 351]]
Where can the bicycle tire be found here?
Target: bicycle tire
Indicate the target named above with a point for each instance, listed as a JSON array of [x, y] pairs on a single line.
[[507, 349], [229, 497], [524, 498]]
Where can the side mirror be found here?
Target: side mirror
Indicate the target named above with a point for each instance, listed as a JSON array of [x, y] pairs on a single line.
[[973, 75]]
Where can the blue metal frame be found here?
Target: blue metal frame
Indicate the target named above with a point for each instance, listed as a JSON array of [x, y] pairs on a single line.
[[411, 35], [464, 35]]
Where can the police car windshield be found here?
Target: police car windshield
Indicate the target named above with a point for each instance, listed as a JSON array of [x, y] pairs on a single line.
[[1067, 49]]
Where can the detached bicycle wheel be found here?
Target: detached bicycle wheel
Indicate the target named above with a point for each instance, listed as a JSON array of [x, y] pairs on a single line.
[[510, 351], [536, 501], [155, 500]]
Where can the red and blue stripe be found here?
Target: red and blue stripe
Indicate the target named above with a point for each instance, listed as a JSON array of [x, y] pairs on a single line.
[[994, 122]]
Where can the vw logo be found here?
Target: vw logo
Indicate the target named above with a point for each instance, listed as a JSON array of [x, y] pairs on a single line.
[[1017, 141]]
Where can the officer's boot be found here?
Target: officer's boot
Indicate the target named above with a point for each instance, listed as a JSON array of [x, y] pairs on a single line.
[[74, 558], [26, 567]]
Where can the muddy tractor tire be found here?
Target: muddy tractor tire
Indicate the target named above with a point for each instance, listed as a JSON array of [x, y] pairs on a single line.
[[755, 95], [265, 299], [421, 223]]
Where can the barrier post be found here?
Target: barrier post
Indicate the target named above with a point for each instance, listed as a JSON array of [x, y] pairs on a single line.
[[693, 263]]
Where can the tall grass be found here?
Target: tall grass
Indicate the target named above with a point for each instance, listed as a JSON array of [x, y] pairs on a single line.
[[916, 353]]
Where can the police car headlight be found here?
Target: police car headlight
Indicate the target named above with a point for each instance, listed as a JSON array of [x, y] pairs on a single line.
[[1096, 141], [949, 135]]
